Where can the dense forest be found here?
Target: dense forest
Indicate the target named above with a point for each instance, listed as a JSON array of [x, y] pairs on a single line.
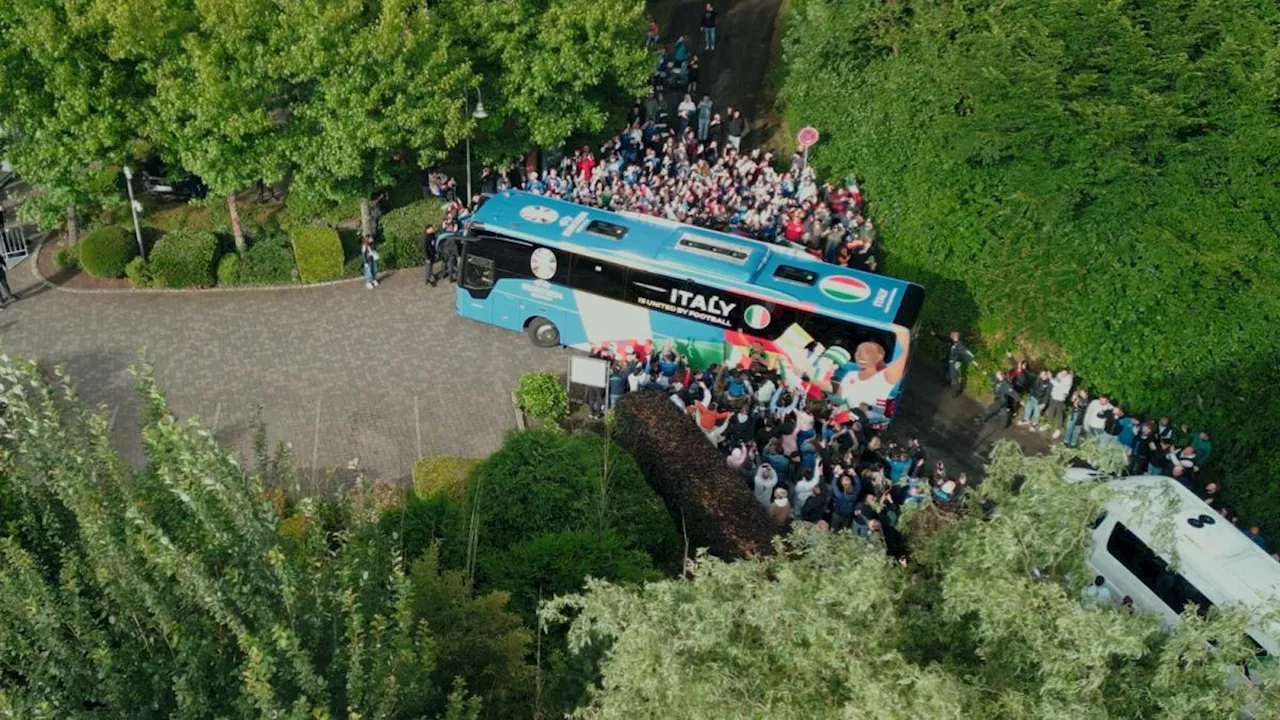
[[1095, 183]]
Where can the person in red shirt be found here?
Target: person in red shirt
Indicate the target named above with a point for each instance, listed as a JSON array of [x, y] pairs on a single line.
[[794, 229], [586, 164]]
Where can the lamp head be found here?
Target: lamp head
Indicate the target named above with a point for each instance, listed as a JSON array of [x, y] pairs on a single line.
[[479, 112]]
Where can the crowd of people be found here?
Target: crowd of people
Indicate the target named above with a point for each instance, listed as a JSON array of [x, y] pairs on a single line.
[[1051, 401], [802, 458]]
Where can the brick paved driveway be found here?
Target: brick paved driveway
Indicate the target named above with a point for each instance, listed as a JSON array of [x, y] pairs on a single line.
[[339, 370]]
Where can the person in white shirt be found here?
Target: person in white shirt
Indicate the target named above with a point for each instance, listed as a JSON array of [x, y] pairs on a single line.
[[1062, 383], [804, 488], [1095, 421], [1096, 595], [766, 480]]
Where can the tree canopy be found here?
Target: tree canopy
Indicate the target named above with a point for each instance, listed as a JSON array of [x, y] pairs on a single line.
[[986, 621], [188, 588], [1092, 180]]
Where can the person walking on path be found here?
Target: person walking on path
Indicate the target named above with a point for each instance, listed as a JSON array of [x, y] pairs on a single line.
[[6, 295], [708, 27], [1005, 399], [1062, 383], [429, 240], [735, 129], [370, 258], [957, 356], [704, 118]]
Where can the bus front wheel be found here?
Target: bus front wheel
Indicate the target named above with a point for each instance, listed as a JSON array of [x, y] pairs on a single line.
[[543, 332]]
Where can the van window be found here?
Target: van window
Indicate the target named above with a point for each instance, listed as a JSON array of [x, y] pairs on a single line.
[[1172, 588]]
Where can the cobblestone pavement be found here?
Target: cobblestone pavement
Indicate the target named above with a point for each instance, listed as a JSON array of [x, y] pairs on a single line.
[[342, 373]]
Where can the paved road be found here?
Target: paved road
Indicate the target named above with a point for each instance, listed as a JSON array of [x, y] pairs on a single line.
[[338, 370], [344, 374]]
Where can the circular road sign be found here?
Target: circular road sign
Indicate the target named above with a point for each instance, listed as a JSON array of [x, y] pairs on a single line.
[[807, 136]]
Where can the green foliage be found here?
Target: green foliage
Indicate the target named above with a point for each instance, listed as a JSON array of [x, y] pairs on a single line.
[[543, 481], [105, 251], [68, 258], [267, 261], [1086, 177], [981, 625], [176, 591], [443, 475], [138, 272], [184, 258], [229, 270], [559, 564], [318, 252], [402, 231], [425, 522], [543, 396]]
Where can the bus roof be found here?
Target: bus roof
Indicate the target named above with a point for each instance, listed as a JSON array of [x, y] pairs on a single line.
[[769, 272]]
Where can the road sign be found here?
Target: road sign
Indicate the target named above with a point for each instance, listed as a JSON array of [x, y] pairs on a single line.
[[806, 137]]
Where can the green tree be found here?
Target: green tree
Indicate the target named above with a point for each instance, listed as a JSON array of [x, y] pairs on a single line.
[[176, 590], [67, 108], [551, 69], [382, 87], [1087, 179], [983, 623]]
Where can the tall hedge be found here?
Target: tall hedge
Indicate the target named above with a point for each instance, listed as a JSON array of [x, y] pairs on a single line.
[[544, 481], [718, 510], [184, 258], [318, 252], [402, 230], [105, 251], [1093, 181]]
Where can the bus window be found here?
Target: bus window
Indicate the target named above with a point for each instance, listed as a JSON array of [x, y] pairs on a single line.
[[605, 229], [849, 336], [642, 286], [478, 273], [599, 278], [512, 259], [795, 275]]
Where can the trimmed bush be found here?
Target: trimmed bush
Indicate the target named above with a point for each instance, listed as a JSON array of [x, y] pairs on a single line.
[[543, 396], [68, 258], [105, 251], [267, 261], [443, 475], [138, 272], [229, 269], [545, 481], [424, 522], [184, 259], [402, 230], [719, 511], [318, 252]]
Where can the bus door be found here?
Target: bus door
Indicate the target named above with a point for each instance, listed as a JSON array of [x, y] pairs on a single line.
[[476, 279]]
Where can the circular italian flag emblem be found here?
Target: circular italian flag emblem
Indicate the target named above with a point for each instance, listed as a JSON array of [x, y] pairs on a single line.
[[844, 289], [757, 317]]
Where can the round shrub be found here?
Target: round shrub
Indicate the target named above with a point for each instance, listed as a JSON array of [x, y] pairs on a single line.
[[184, 259], [544, 481], [402, 230], [543, 397], [138, 272], [229, 270], [105, 251], [268, 261], [318, 252]]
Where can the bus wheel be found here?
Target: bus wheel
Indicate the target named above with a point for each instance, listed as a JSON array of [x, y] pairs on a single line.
[[543, 332]]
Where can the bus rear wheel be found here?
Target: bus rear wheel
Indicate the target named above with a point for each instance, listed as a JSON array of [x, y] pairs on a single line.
[[543, 332]]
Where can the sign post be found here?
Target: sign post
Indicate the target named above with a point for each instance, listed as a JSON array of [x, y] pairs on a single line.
[[807, 137]]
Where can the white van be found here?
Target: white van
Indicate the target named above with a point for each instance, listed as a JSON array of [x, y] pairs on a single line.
[[1166, 548]]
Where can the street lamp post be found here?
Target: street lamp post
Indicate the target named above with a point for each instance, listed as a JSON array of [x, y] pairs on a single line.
[[478, 114], [133, 206]]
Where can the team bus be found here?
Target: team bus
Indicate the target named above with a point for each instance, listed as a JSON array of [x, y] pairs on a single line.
[[572, 275]]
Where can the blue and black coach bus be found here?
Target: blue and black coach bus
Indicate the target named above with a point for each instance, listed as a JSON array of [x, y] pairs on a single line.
[[567, 274]]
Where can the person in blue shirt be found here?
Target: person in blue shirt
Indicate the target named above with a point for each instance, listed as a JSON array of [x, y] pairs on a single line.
[[845, 492], [668, 364], [1129, 426], [899, 465], [735, 386], [617, 383]]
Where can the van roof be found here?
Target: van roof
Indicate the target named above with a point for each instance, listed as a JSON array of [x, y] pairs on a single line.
[[1217, 557]]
